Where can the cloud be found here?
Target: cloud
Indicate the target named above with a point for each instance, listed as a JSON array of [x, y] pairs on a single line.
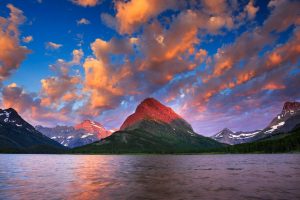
[[77, 56], [254, 67], [102, 49], [52, 45], [63, 87], [27, 39], [11, 52], [273, 86], [251, 42], [245, 76], [59, 89], [14, 96], [216, 6], [251, 9], [167, 52], [283, 15], [157, 57], [109, 20], [106, 86], [55, 102], [83, 21], [132, 14], [29, 106], [86, 3], [105, 82]]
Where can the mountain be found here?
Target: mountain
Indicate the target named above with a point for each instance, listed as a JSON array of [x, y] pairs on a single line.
[[152, 128], [151, 109], [81, 134], [17, 135], [229, 137], [93, 128], [285, 122], [282, 143]]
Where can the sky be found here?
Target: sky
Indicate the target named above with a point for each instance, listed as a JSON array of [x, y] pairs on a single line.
[[219, 64]]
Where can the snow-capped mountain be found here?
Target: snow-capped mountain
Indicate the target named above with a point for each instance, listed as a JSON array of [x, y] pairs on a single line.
[[229, 137], [18, 135], [94, 128], [81, 134], [286, 121], [10, 117]]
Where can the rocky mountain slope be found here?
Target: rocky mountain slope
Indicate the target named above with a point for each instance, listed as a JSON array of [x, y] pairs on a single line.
[[286, 121], [16, 135]]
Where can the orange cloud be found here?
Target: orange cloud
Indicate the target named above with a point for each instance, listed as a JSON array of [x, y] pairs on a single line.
[[251, 9], [201, 55], [56, 88], [216, 6], [86, 3], [27, 39], [274, 59], [104, 84], [52, 45], [245, 76], [11, 53], [216, 22], [14, 96], [222, 66], [132, 14], [98, 76], [273, 86], [102, 49], [29, 106], [64, 86], [185, 44]]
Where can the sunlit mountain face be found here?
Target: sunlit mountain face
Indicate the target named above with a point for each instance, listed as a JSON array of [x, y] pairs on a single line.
[[216, 63]]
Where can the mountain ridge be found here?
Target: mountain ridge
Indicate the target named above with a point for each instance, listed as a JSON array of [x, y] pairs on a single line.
[[287, 120], [152, 128], [17, 135]]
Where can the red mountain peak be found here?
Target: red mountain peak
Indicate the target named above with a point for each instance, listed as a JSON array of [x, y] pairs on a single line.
[[150, 109], [291, 106], [93, 127]]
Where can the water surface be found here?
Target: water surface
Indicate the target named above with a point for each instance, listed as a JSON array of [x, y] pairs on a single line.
[[150, 176]]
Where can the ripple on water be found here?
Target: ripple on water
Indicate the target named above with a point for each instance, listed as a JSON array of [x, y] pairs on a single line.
[[150, 177]]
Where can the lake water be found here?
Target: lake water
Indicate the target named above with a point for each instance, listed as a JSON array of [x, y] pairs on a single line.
[[150, 176]]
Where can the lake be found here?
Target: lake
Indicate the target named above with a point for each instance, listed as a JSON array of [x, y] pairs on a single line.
[[252, 176]]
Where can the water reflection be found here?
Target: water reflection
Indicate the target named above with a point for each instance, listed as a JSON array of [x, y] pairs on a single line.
[[150, 177]]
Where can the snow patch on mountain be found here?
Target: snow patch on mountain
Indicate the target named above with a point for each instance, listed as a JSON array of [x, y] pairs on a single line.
[[87, 135], [274, 127]]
